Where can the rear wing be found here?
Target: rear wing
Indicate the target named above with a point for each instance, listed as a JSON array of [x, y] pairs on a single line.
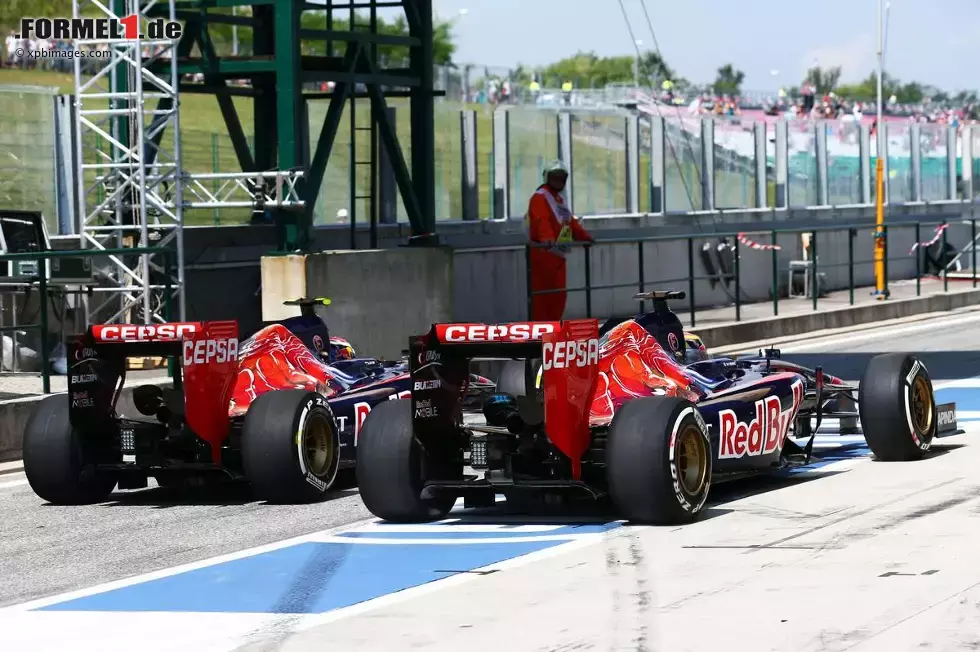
[[569, 354], [205, 357]]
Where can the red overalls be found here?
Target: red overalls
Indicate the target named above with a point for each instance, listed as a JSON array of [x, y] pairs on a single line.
[[550, 221]]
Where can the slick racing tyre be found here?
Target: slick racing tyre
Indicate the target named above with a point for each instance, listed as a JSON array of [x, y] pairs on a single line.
[[391, 467], [512, 380], [55, 458], [290, 446], [897, 407], [658, 461]]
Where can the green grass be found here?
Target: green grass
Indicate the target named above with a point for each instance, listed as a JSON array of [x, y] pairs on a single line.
[[599, 170]]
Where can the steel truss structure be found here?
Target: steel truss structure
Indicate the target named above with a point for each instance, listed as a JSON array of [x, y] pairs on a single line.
[[131, 185]]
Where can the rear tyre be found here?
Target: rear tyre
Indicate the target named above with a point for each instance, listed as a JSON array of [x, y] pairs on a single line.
[[897, 407], [391, 467], [512, 380], [658, 461], [55, 458], [290, 446]]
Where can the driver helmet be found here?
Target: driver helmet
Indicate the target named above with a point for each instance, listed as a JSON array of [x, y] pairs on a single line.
[[695, 350], [340, 349], [557, 165]]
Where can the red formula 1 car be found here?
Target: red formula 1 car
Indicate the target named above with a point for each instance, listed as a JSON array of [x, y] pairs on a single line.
[[620, 416], [282, 409]]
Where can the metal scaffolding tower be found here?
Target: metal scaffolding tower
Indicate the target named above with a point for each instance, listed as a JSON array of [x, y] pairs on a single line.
[[132, 190], [130, 183]]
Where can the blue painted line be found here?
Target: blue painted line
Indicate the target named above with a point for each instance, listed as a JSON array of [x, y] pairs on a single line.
[[308, 578], [446, 532], [966, 398]]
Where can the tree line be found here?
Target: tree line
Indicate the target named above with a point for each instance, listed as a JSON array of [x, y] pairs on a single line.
[[588, 70]]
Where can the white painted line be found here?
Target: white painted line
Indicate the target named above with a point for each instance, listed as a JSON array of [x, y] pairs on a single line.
[[454, 580], [449, 527], [12, 483], [963, 383]]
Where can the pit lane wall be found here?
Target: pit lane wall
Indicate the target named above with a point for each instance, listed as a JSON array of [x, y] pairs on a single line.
[[382, 296], [378, 297]]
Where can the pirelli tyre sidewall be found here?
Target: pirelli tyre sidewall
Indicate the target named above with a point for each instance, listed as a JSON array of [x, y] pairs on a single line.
[[651, 471], [897, 407], [290, 446]]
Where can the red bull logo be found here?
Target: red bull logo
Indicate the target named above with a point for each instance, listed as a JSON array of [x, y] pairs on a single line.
[[763, 435]]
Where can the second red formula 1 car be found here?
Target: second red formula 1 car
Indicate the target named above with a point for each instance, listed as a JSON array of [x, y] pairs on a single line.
[[620, 415], [281, 409]]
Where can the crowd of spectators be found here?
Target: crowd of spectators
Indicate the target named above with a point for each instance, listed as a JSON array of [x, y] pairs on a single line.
[[830, 106]]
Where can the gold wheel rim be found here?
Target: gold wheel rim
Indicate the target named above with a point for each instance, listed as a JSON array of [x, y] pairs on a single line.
[[692, 460], [922, 412], [318, 449]]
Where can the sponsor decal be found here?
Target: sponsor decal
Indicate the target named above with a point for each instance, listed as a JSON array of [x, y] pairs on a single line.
[[946, 417], [425, 357], [518, 332], [315, 481], [679, 492], [421, 385], [85, 378], [764, 434], [580, 353], [210, 351], [318, 342], [424, 409], [672, 341], [82, 354], [143, 333], [82, 400]]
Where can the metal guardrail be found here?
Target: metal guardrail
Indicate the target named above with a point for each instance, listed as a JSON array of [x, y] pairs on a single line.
[[44, 291], [641, 284]]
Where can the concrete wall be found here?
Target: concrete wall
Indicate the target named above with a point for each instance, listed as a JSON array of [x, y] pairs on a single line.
[[379, 297]]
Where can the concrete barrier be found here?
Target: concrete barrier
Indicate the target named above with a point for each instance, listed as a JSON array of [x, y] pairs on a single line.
[[800, 324], [14, 414], [379, 297]]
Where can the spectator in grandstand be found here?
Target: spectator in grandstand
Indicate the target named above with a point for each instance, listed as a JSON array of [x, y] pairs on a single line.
[[566, 91], [10, 50], [808, 91]]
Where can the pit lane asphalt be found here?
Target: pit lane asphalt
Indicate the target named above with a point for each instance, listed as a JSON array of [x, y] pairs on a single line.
[[46, 550]]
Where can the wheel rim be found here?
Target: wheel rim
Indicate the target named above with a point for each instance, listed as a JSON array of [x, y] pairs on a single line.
[[692, 460], [318, 445], [922, 411]]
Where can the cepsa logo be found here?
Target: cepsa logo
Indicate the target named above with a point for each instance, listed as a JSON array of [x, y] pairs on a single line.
[[520, 332], [764, 434], [80, 29], [143, 333], [210, 351], [580, 353]]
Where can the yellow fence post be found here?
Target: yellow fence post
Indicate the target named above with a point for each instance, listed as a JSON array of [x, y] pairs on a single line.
[[880, 283]]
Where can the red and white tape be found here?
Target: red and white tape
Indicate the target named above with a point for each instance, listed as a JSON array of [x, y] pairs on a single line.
[[935, 239], [755, 245]]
